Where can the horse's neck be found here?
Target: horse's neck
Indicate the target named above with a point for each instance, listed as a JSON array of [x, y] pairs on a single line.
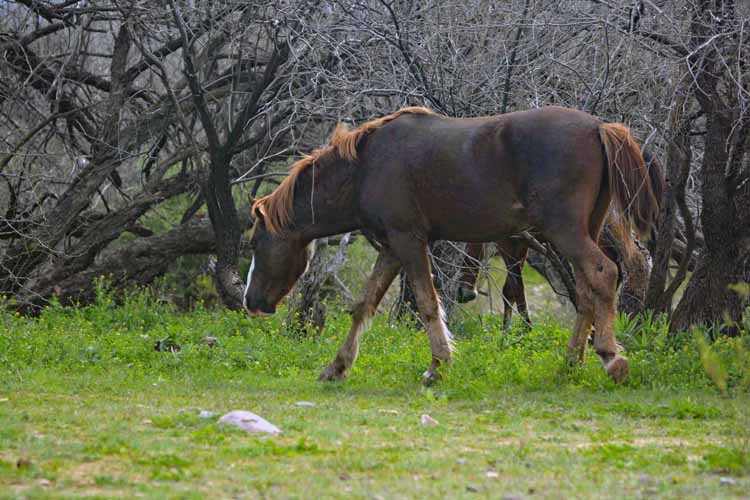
[[324, 201]]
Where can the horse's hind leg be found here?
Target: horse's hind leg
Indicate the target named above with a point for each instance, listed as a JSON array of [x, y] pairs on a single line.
[[385, 270], [584, 317], [412, 252], [596, 282], [601, 273], [467, 287], [513, 251]]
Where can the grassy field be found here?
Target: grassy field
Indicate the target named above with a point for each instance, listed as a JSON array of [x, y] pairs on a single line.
[[88, 408]]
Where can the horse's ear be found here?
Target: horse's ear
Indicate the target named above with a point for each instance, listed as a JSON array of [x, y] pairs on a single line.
[[257, 211]]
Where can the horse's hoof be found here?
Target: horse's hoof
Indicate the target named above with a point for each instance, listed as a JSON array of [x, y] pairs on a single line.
[[575, 357], [430, 377], [617, 368], [332, 374]]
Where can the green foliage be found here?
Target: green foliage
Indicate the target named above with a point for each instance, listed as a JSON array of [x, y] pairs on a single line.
[[87, 391], [111, 336], [727, 364]]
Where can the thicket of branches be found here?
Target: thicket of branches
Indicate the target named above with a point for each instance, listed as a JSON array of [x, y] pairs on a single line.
[[113, 108]]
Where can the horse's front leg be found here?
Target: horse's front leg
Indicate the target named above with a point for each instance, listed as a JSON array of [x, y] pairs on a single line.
[[385, 270], [412, 252]]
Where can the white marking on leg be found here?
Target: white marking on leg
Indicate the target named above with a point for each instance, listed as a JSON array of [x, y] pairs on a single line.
[[247, 284], [444, 327], [443, 315], [350, 350]]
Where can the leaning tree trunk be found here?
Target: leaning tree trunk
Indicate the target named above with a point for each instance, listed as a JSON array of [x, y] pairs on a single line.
[[136, 263]]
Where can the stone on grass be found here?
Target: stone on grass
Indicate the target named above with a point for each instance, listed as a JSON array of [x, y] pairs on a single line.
[[304, 403], [209, 341], [4, 400], [727, 481], [646, 480], [206, 414], [427, 420], [249, 422], [389, 412], [491, 474]]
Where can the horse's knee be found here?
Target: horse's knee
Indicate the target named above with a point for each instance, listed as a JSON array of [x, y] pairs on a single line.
[[602, 276]]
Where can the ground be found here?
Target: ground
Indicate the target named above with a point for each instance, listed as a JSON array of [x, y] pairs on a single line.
[[90, 409]]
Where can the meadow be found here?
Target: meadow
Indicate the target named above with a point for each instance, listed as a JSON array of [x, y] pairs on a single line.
[[89, 408]]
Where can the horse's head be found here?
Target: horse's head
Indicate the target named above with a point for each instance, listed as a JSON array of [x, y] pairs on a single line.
[[279, 259]]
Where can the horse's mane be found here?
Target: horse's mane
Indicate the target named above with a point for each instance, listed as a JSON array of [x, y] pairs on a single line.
[[277, 207]]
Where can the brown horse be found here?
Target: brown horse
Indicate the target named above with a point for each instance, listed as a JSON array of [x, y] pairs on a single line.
[[513, 252], [415, 176]]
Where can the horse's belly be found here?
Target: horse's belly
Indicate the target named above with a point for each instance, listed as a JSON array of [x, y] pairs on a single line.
[[480, 221]]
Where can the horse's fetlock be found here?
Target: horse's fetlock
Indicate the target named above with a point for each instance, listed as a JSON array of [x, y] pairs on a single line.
[[606, 355]]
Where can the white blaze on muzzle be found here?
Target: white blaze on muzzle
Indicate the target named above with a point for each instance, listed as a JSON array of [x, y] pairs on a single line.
[[247, 284]]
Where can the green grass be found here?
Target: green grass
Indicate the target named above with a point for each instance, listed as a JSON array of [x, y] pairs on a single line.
[[93, 410]]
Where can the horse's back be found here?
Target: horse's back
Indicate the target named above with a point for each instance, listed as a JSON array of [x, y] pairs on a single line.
[[481, 178]]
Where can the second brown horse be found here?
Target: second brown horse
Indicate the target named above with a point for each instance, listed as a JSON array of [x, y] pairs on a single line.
[[415, 176]]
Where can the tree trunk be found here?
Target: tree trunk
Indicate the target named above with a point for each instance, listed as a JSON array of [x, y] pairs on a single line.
[[709, 298], [306, 306], [217, 191], [679, 155]]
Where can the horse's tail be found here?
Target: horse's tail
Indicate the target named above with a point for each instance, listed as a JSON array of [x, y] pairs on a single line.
[[634, 189], [655, 174]]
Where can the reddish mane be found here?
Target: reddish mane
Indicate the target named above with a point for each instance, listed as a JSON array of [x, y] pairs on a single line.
[[277, 207]]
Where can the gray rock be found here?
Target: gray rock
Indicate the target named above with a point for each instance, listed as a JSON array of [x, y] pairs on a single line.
[[727, 481], [206, 414], [304, 403], [249, 422], [209, 341], [427, 420]]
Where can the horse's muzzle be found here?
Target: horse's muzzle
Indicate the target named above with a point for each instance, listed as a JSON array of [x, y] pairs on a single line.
[[466, 294]]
